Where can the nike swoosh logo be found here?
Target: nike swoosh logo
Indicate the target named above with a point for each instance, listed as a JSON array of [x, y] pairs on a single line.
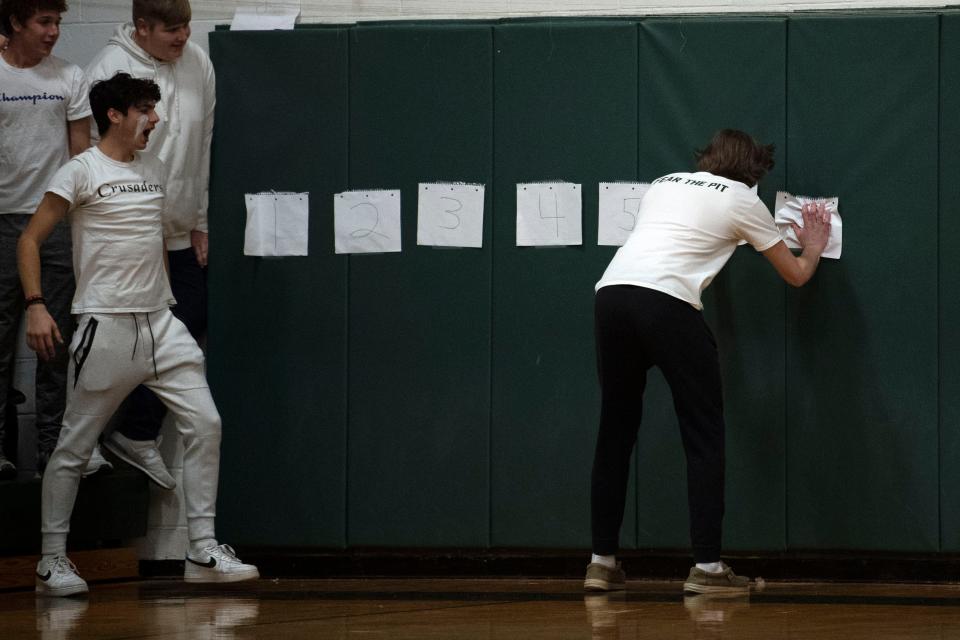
[[211, 563], [47, 577]]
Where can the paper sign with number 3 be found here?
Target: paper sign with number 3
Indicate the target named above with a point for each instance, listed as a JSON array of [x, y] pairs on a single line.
[[450, 215]]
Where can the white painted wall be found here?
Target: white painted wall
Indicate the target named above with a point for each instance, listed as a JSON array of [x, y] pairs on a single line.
[[89, 23]]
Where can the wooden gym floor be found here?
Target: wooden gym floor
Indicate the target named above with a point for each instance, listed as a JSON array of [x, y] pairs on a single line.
[[485, 609]]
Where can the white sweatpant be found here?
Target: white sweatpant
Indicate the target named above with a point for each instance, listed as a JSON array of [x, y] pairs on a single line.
[[110, 355]]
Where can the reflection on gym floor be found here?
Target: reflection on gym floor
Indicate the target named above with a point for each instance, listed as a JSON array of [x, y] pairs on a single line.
[[488, 609]]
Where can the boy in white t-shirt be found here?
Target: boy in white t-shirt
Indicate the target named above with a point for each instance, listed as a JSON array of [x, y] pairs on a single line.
[[648, 314], [126, 334], [156, 44], [44, 119]]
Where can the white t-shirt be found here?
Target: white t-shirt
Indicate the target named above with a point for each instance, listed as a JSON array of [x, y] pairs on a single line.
[[182, 137], [35, 106], [115, 210], [687, 228]]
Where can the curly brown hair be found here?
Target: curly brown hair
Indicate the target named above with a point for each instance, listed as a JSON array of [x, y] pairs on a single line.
[[736, 155], [23, 10]]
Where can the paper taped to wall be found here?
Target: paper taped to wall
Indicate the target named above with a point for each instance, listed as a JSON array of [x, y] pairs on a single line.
[[787, 210], [277, 223], [367, 221], [261, 19], [619, 204], [450, 214], [549, 214]]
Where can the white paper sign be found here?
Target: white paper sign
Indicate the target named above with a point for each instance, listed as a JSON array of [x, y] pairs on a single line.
[[788, 209], [450, 215], [277, 224], [549, 214], [260, 19], [619, 205], [366, 221]]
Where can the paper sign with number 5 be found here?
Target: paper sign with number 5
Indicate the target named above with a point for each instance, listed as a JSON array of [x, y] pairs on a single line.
[[619, 203]]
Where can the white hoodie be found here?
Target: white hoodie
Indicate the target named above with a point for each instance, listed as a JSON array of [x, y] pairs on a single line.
[[182, 137]]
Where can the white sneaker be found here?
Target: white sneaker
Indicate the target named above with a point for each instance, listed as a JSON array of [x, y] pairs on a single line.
[[143, 455], [217, 563], [57, 576], [97, 463]]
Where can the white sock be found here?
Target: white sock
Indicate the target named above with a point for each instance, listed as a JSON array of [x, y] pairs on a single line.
[[710, 567], [607, 561], [200, 545]]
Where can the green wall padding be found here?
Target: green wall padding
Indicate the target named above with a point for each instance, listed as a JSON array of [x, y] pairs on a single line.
[[949, 263], [278, 329], [421, 111], [565, 110], [448, 398], [692, 83], [862, 442]]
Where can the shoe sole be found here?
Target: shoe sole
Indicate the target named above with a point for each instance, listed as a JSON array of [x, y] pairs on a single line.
[[117, 451], [211, 577], [59, 592], [693, 587], [596, 584]]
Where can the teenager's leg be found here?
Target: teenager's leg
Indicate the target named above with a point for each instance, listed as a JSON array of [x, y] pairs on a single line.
[[182, 386], [56, 256], [622, 365], [188, 280], [691, 367], [11, 307], [78, 437], [104, 367], [141, 415]]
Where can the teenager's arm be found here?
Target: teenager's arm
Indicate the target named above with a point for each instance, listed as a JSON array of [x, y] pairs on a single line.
[[42, 332], [797, 270], [78, 134]]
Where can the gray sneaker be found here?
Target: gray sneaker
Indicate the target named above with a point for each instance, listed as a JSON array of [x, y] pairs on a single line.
[[7, 469], [600, 577], [721, 582], [143, 455]]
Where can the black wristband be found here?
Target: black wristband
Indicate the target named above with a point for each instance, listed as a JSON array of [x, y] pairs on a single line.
[[35, 300]]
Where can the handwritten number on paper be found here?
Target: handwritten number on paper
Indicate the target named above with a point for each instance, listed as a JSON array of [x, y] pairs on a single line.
[[631, 207], [452, 212], [556, 210], [364, 232]]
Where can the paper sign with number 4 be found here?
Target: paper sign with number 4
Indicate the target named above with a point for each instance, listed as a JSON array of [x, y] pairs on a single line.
[[549, 214]]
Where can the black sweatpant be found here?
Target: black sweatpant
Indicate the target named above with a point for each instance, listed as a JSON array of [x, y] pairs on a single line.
[[636, 329], [57, 284]]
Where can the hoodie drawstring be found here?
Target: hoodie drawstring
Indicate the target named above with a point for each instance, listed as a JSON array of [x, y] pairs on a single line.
[[153, 342], [153, 348]]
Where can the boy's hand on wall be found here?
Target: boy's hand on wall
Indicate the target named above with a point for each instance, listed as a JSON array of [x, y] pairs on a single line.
[[816, 227]]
